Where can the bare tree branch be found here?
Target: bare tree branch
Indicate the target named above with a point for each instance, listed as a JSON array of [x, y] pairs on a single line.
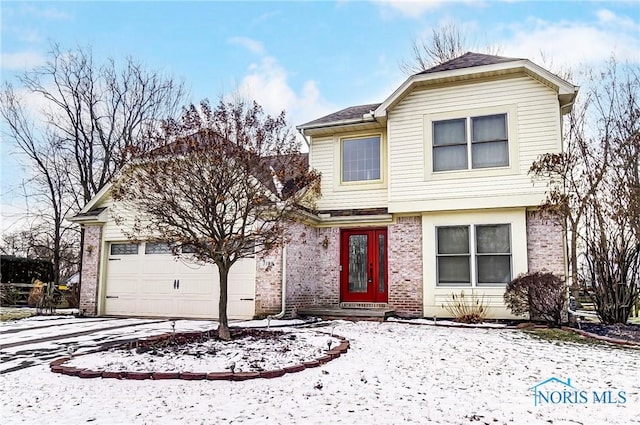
[[211, 188], [447, 42]]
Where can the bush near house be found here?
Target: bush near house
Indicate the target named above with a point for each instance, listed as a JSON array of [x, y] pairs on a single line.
[[471, 309], [541, 295]]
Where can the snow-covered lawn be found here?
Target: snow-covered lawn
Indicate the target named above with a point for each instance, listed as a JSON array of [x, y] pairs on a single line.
[[393, 373]]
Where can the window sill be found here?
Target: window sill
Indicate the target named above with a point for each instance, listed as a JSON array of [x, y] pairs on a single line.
[[360, 185], [471, 173]]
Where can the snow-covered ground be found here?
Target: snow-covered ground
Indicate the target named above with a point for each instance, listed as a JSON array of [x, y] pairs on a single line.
[[393, 373]]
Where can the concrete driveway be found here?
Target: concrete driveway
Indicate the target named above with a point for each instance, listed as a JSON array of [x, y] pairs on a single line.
[[40, 339]]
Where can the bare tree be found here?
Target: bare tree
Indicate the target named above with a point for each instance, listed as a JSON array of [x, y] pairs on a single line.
[[100, 113], [94, 117], [594, 190], [447, 42], [50, 185], [223, 185]]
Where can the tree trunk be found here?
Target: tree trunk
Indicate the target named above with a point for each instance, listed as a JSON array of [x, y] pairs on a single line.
[[573, 260], [223, 327]]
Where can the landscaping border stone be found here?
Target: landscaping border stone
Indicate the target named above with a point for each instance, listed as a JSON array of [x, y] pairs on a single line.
[[602, 338], [58, 365]]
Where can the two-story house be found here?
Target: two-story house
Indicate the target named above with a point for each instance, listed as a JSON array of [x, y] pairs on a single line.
[[423, 195]]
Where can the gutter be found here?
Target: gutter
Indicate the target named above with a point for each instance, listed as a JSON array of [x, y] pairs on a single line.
[[366, 118]]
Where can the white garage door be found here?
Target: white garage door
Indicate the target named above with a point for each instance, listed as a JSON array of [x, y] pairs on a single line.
[[147, 280]]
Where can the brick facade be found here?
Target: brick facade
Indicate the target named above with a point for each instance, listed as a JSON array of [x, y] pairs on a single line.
[[405, 266], [313, 264], [545, 244], [268, 283], [312, 271], [90, 270], [313, 261]]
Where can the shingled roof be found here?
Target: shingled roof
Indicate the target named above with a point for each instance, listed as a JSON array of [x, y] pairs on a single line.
[[346, 114], [468, 60], [355, 114]]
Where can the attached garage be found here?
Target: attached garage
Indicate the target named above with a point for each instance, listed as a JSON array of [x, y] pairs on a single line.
[[124, 278], [146, 279]]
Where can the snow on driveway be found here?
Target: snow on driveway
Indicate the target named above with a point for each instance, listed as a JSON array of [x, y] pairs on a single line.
[[393, 373]]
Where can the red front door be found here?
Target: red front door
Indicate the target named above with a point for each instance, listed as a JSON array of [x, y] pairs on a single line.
[[363, 268]]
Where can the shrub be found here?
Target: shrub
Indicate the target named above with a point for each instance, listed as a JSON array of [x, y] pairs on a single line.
[[9, 295], [542, 295], [471, 309], [36, 295], [43, 297]]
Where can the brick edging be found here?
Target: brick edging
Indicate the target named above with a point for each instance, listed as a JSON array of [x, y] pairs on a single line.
[[602, 338], [58, 365]]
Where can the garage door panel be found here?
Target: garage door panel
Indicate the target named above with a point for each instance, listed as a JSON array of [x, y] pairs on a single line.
[[198, 307], [199, 285], [120, 304], [239, 307], [161, 285], [142, 283], [158, 265], [156, 306]]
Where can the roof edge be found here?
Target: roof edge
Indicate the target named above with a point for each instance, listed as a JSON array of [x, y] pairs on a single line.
[[564, 88]]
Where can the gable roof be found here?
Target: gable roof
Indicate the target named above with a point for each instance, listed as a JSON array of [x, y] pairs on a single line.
[[278, 174], [463, 68], [469, 60], [472, 66]]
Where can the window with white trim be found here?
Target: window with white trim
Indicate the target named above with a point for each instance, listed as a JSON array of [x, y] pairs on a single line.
[[470, 143], [473, 255], [361, 159]]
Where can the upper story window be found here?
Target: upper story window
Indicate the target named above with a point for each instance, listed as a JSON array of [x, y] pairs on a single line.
[[478, 255], [361, 159], [470, 143]]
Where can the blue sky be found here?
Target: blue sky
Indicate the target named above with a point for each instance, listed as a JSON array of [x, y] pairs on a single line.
[[308, 58]]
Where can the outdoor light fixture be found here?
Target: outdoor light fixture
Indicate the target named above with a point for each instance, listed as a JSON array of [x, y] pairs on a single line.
[[325, 242]]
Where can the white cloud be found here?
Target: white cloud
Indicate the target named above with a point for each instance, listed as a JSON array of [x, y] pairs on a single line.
[[249, 44], [607, 17], [410, 8], [416, 8], [21, 60], [267, 82], [47, 13], [571, 44]]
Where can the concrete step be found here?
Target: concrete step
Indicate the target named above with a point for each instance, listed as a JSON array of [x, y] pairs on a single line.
[[347, 313]]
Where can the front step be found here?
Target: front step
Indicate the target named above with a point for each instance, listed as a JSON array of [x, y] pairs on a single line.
[[380, 314], [371, 306]]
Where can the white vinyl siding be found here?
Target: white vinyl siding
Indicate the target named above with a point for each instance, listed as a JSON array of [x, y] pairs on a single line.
[[496, 252], [326, 158], [534, 128]]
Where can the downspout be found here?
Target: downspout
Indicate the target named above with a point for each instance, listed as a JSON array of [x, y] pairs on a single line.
[[284, 283], [304, 138]]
